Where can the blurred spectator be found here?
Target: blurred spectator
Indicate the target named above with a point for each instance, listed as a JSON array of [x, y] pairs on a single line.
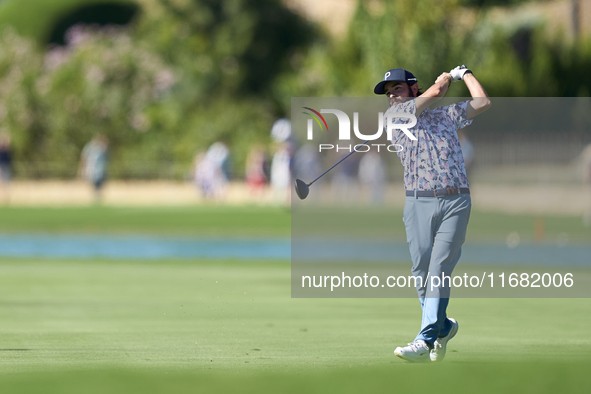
[[467, 152], [93, 163], [211, 171], [372, 174], [5, 158], [586, 164], [281, 162], [281, 172], [5, 162], [256, 174], [281, 130]]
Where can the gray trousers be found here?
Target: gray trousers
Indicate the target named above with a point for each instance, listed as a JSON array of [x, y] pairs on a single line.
[[435, 231]]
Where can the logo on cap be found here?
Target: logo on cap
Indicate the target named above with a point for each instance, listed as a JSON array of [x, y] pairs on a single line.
[[387, 75]]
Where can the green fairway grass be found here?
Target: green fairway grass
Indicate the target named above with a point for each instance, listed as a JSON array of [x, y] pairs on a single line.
[[221, 326], [202, 220], [130, 323], [268, 221], [534, 378]]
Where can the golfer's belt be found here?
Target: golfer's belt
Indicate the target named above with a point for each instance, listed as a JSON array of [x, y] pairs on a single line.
[[448, 191]]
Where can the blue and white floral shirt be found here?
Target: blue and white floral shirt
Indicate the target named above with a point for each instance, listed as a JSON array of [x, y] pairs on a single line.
[[434, 160]]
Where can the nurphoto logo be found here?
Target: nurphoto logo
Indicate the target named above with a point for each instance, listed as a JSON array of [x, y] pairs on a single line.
[[392, 123]]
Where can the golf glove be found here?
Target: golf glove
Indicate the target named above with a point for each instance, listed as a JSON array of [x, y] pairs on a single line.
[[458, 72]]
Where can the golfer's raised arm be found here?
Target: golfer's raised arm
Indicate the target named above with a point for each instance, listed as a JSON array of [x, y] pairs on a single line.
[[480, 101], [434, 93]]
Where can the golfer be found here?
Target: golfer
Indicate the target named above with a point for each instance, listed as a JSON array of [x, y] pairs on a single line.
[[437, 206]]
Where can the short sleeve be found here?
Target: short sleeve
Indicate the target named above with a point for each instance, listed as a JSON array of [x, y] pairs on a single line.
[[457, 113]]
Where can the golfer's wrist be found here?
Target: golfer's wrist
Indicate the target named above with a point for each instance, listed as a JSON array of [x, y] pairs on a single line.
[[445, 79], [449, 80], [467, 74]]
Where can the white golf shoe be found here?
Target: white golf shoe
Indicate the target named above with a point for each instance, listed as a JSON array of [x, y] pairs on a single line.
[[439, 347], [415, 352]]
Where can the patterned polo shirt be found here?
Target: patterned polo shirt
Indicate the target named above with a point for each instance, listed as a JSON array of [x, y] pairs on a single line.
[[434, 160]]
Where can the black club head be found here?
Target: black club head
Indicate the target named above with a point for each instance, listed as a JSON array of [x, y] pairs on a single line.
[[301, 189]]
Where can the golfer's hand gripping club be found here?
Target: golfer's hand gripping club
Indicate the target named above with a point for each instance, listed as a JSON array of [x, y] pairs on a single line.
[[457, 73]]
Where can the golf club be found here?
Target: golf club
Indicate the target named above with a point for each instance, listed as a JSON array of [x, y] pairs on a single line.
[[302, 188]]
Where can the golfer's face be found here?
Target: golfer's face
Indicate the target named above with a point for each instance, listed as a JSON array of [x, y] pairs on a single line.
[[397, 92]]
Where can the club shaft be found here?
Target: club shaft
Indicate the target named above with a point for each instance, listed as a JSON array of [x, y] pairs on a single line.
[[336, 164]]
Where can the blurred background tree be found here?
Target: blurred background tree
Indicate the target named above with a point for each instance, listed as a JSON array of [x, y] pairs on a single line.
[[163, 79], [175, 77]]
